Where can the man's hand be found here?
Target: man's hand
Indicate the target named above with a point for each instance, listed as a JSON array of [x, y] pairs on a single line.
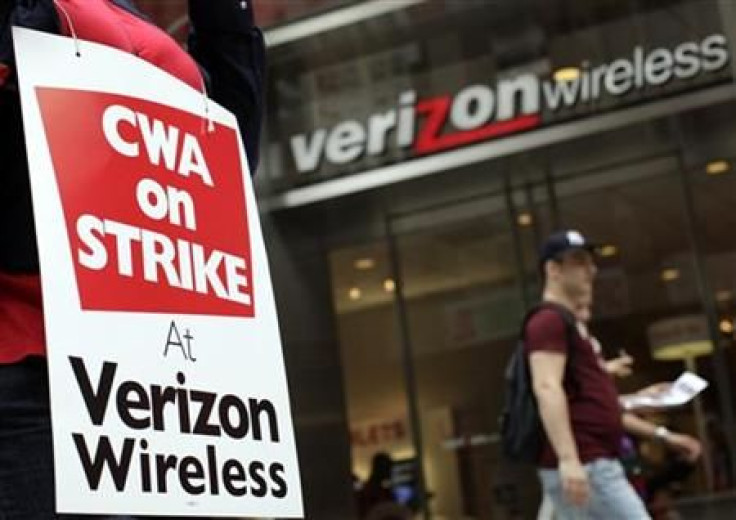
[[620, 366], [655, 389], [688, 447], [574, 482]]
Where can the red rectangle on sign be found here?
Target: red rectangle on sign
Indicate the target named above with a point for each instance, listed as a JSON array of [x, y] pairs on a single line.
[[154, 205]]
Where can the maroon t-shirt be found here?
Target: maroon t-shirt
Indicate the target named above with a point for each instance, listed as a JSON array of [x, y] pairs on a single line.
[[595, 413]]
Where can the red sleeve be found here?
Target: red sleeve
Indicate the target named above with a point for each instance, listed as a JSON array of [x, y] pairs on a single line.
[[546, 331], [4, 73]]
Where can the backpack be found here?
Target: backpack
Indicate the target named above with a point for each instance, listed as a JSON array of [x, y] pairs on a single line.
[[520, 425]]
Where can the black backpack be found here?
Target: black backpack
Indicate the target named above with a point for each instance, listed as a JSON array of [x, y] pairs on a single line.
[[520, 424]]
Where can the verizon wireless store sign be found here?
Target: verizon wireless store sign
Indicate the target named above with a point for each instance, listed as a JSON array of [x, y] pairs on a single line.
[[422, 126], [168, 388]]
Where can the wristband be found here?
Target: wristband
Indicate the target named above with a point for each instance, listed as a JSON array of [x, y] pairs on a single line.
[[661, 433]]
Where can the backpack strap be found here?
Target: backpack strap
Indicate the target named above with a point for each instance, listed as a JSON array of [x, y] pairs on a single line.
[[571, 331]]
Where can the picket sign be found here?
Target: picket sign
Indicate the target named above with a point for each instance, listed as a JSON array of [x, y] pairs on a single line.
[[167, 380]]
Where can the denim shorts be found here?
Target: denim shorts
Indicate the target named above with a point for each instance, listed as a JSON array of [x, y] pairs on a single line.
[[26, 461], [611, 495]]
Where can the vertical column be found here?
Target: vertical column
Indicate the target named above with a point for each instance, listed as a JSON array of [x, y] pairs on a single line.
[[407, 359], [301, 278], [727, 8], [719, 358]]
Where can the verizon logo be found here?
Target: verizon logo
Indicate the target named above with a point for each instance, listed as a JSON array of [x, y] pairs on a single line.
[[481, 112]]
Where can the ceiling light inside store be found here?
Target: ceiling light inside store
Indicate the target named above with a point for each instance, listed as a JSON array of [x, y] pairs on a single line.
[[389, 285], [717, 167], [608, 251], [364, 264], [566, 74], [724, 296], [525, 219], [670, 275], [726, 326], [354, 293]]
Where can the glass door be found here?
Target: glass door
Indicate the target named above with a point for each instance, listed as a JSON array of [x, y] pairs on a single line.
[[462, 270]]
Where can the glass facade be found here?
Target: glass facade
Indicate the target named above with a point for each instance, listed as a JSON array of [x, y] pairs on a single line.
[[466, 271], [373, 93], [412, 163], [275, 12]]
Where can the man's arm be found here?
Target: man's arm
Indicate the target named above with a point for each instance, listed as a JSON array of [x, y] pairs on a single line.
[[228, 45], [547, 370], [687, 446]]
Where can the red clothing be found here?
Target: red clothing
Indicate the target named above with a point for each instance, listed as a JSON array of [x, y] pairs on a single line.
[[4, 73], [21, 317], [595, 413], [104, 22], [101, 21]]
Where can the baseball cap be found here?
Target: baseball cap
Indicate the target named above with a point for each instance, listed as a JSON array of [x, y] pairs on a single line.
[[562, 241]]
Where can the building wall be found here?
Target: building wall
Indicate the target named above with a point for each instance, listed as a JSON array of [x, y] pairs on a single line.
[[311, 352]]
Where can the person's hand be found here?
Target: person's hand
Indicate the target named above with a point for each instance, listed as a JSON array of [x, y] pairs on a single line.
[[688, 447], [648, 391], [620, 366], [574, 482], [655, 389]]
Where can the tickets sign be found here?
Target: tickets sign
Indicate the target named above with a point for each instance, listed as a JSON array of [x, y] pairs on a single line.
[[168, 389]]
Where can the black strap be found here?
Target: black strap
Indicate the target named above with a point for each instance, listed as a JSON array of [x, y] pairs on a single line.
[[571, 332]]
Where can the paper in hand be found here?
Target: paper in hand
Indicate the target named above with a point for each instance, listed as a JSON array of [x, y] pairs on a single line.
[[685, 387]]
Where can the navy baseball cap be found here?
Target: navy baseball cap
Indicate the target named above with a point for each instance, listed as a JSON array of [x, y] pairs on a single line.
[[562, 241]]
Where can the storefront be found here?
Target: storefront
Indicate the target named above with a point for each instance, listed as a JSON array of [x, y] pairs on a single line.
[[416, 155]]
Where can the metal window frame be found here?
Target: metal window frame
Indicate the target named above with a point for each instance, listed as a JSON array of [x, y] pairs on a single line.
[[334, 19]]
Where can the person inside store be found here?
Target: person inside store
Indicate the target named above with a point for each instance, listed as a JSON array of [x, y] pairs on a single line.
[[680, 452], [376, 498], [226, 57], [582, 419], [664, 474]]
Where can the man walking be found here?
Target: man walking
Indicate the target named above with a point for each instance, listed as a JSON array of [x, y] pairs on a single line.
[[580, 412]]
